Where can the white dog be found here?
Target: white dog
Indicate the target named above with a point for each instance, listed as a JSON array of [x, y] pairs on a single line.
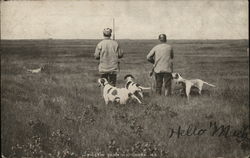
[[114, 94], [187, 84], [133, 87], [35, 70]]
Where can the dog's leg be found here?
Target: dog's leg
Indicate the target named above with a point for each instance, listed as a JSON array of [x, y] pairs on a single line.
[[199, 86], [140, 93], [188, 88], [181, 91], [183, 88], [133, 96], [106, 99], [166, 92], [106, 102], [200, 89]]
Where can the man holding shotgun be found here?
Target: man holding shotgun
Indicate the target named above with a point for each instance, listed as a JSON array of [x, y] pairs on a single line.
[[162, 57], [108, 53]]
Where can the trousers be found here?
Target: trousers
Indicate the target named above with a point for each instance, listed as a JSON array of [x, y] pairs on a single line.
[[111, 78], [163, 77]]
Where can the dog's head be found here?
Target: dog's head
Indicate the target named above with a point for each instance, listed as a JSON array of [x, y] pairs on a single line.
[[176, 76], [102, 82], [129, 77], [42, 66]]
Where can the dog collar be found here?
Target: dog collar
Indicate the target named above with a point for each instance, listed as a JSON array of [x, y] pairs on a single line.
[[105, 84]]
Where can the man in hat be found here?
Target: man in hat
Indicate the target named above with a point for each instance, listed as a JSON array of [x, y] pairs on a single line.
[[162, 57], [108, 52]]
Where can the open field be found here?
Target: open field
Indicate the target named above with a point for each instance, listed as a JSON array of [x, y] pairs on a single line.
[[60, 113]]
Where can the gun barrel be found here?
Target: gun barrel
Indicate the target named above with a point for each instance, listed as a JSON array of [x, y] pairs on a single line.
[[113, 28]]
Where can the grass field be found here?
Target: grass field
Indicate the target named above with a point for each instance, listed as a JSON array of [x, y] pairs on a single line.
[[60, 112]]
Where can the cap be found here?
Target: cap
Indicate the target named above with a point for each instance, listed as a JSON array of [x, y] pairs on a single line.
[[107, 32], [162, 37]]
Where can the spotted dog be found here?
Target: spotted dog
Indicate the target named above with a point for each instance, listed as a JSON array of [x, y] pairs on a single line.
[[114, 94], [133, 87], [188, 84]]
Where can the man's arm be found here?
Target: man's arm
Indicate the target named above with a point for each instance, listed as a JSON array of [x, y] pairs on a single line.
[[172, 67], [97, 52], [119, 52], [172, 57], [150, 56], [172, 53]]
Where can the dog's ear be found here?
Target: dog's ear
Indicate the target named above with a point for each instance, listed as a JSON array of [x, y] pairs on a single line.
[[129, 75], [172, 76], [125, 77], [101, 81], [176, 76]]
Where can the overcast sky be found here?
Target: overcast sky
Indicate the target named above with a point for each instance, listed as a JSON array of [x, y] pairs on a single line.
[[193, 19]]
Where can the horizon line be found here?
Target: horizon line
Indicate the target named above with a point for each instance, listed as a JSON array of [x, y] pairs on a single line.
[[120, 39]]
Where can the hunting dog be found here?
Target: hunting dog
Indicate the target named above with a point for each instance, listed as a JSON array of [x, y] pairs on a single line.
[[133, 87], [188, 84], [114, 94], [35, 70]]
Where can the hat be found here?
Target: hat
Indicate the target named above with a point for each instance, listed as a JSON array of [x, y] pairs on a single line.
[[163, 37], [107, 32]]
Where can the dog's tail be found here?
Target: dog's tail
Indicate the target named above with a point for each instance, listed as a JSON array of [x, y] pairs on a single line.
[[210, 84], [144, 88]]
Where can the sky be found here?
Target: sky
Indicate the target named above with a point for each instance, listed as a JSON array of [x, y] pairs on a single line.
[[75, 19]]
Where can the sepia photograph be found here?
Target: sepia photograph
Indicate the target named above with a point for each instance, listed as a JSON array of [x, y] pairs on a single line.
[[125, 79]]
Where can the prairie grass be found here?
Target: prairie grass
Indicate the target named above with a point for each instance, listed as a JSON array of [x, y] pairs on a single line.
[[60, 112]]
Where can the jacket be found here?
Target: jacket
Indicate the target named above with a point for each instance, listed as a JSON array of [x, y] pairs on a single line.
[[108, 52]]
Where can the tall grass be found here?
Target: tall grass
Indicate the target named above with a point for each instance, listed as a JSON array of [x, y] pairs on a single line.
[[60, 112]]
